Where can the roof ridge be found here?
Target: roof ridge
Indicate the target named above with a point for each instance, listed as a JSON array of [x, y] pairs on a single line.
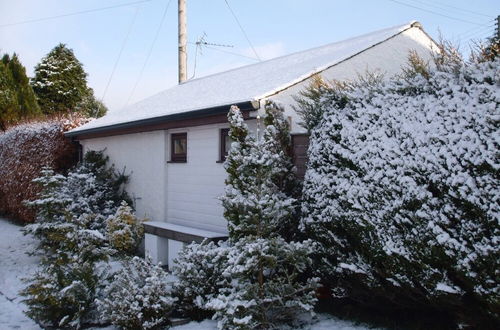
[[401, 27]]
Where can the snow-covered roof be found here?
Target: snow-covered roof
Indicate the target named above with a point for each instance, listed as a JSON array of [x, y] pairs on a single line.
[[245, 84]]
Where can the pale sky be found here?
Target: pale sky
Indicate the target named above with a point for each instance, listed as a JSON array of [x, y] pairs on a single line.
[[274, 28]]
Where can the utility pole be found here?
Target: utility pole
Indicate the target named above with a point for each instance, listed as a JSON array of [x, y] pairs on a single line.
[[498, 27], [182, 42]]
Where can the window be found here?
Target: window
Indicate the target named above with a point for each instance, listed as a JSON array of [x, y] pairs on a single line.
[[225, 144], [178, 148]]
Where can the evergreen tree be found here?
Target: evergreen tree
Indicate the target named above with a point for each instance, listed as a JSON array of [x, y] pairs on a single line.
[[91, 107], [17, 99], [264, 268], [26, 99], [8, 98], [60, 83], [72, 229]]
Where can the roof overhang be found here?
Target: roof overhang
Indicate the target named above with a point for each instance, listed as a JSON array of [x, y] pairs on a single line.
[[198, 117]]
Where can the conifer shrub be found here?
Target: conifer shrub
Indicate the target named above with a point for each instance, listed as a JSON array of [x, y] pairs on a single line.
[[199, 270], [24, 150], [71, 229], [263, 266], [17, 99], [138, 297], [401, 191], [265, 289], [123, 230]]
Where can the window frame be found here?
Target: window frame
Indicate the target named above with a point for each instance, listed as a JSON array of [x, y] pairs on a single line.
[[223, 132], [177, 158]]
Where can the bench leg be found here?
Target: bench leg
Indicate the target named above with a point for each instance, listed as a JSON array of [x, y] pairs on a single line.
[[157, 249], [174, 247]]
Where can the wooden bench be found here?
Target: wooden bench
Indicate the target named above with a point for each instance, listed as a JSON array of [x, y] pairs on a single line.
[[164, 241], [181, 233]]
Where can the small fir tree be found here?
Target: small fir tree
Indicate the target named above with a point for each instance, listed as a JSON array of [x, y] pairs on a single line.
[[124, 231], [71, 228], [263, 267]]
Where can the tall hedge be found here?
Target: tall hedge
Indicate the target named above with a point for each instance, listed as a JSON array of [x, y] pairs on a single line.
[[402, 191], [24, 150]]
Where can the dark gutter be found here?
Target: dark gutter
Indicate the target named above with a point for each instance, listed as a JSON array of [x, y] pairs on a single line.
[[223, 109]]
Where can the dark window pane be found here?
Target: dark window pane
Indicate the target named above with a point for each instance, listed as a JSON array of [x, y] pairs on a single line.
[[178, 147]]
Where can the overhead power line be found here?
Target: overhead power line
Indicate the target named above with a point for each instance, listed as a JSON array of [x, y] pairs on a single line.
[[73, 14], [242, 30], [480, 29], [436, 13], [446, 7], [149, 52], [120, 53]]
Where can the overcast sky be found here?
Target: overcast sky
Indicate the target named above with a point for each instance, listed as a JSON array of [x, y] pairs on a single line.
[[274, 28]]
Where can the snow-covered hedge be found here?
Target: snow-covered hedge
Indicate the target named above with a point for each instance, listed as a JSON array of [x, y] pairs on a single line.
[[402, 189], [24, 150]]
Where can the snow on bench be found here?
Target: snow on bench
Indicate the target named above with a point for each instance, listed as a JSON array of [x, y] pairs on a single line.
[[181, 233]]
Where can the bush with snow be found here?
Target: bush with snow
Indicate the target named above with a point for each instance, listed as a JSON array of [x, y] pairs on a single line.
[[123, 230], [402, 189], [76, 205], [62, 295], [265, 286], [199, 269], [71, 227], [24, 150], [262, 267], [138, 297]]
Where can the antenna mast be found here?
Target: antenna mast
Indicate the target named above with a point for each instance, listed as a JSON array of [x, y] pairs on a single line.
[[182, 42]]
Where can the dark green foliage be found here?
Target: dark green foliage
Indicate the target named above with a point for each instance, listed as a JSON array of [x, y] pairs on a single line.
[[401, 192], [71, 227], [17, 99], [60, 83], [61, 295], [321, 94]]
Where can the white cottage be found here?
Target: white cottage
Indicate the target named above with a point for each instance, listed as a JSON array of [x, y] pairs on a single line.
[[173, 143]]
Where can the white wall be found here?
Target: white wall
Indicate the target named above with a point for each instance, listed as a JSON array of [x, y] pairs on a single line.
[[181, 193], [143, 157], [187, 193], [193, 188], [387, 58]]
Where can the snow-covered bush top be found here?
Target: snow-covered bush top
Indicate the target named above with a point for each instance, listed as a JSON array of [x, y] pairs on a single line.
[[402, 182], [139, 296]]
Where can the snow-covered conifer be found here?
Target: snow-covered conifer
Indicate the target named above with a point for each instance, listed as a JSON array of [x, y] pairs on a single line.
[[124, 231], [60, 85], [199, 269], [402, 190], [265, 285], [262, 267], [71, 228], [260, 186], [138, 297]]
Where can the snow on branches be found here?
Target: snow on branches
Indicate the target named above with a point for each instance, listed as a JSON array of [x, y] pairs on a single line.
[[402, 187]]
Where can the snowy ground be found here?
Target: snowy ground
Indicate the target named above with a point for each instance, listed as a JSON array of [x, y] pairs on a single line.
[[15, 265]]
